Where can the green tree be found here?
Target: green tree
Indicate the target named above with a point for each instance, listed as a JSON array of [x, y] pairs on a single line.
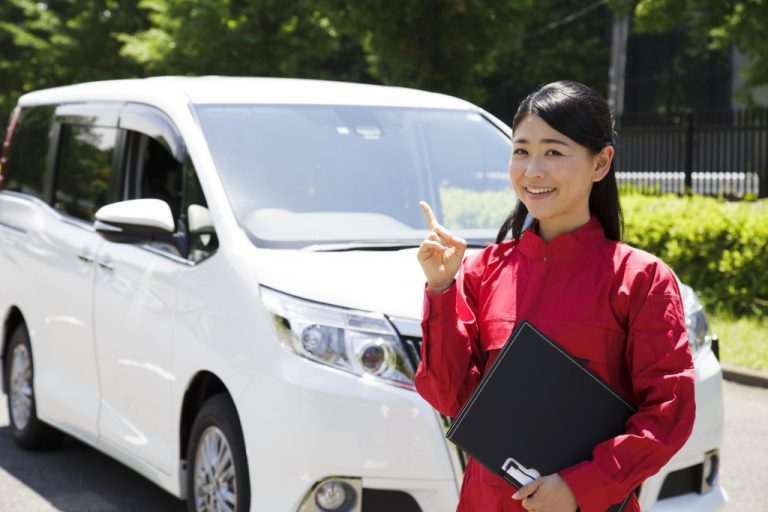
[[441, 45], [717, 24], [46, 44], [487, 51], [237, 37]]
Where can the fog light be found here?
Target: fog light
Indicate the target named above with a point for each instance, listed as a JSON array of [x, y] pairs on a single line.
[[334, 495]]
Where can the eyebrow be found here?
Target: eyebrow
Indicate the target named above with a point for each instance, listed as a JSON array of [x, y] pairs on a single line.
[[545, 141]]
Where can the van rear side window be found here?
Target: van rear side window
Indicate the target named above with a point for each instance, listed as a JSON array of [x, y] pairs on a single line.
[[26, 169], [84, 169]]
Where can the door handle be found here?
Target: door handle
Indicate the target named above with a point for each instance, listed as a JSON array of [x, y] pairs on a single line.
[[107, 265], [86, 257]]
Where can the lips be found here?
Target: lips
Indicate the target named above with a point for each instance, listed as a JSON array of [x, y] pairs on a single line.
[[539, 190]]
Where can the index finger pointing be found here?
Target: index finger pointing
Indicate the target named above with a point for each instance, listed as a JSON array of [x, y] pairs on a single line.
[[429, 215]]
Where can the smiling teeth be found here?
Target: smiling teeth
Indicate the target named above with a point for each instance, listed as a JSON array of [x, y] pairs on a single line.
[[540, 190]]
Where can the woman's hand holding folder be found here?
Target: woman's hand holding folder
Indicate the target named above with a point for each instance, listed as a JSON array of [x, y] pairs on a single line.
[[548, 493], [440, 254]]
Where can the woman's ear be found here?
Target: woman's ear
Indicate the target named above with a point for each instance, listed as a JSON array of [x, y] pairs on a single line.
[[603, 163]]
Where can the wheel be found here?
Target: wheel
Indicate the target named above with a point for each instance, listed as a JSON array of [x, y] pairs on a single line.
[[217, 476], [27, 430]]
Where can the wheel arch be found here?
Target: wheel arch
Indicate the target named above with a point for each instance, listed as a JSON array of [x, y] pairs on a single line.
[[203, 386], [13, 319]]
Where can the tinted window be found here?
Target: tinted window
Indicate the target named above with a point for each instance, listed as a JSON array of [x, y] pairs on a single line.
[[84, 169], [153, 172], [26, 167]]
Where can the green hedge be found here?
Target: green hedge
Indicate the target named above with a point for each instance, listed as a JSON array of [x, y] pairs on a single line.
[[720, 248], [717, 247]]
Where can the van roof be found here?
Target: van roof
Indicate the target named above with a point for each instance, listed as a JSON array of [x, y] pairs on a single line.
[[239, 90]]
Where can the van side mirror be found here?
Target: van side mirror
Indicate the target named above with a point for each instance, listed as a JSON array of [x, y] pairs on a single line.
[[199, 219], [135, 221]]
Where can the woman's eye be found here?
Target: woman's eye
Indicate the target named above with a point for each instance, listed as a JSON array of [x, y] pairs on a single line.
[[520, 151], [553, 152]]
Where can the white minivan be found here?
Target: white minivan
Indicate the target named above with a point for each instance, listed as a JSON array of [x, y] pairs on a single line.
[[214, 281]]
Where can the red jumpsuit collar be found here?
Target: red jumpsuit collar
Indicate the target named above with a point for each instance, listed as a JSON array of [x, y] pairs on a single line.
[[565, 246]]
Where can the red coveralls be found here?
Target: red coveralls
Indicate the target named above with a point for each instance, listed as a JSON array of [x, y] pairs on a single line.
[[615, 308]]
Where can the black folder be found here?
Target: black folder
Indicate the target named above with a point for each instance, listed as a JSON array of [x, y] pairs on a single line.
[[537, 411]]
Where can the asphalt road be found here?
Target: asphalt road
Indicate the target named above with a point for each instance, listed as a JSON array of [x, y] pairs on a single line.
[[77, 478], [744, 453]]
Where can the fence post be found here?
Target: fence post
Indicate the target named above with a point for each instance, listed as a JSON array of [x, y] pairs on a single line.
[[688, 155]]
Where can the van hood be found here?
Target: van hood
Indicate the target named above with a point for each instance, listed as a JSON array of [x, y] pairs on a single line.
[[389, 282]]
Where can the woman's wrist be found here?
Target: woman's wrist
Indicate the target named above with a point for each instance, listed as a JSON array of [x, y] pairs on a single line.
[[440, 288]]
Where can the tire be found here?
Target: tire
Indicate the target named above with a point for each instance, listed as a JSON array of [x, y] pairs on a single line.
[[216, 433], [27, 430]]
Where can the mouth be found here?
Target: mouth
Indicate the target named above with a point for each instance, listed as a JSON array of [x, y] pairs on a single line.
[[539, 191]]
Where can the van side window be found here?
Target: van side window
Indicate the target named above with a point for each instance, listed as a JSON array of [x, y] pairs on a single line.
[[202, 235], [152, 172], [84, 169], [26, 169]]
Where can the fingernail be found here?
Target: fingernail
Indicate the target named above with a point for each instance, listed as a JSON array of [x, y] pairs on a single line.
[[516, 496]]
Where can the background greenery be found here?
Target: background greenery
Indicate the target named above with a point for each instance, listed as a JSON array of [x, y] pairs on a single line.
[[491, 52], [716, 246], [743, 341], [719, 248]]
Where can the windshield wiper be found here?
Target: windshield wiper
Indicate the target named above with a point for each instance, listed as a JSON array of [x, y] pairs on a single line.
[[394, 245]]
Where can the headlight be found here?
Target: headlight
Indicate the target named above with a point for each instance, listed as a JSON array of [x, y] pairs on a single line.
[[362, 343], [695, 319]]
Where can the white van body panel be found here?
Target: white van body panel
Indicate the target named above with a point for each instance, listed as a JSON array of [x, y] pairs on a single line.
[[43, 245]]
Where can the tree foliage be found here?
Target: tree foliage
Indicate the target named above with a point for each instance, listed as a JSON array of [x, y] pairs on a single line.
[[234, 37], [718, 24], [447, 46], [477, 49], [488, 51]]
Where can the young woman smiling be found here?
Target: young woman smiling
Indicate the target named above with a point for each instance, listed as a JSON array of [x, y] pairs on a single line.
[[613, 307]]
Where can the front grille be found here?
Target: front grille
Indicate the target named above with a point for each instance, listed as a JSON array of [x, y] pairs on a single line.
[[412, 347], [377, 500]]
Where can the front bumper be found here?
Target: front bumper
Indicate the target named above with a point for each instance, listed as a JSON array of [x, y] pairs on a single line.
[[303, 422], [712, 501], [679, 486]]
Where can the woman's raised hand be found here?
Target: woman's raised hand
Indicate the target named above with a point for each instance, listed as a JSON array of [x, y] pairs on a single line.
[[440, 254]]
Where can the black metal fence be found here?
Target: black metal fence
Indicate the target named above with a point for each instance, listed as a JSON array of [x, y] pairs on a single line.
[[713, 153]]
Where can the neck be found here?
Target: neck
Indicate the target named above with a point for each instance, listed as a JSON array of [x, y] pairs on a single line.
[[549, 229]]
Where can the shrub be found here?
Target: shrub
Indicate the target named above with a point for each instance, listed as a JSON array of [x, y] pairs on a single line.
[[717, 247]]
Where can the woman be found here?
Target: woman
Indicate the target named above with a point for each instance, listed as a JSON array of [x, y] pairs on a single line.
[[615, 308]]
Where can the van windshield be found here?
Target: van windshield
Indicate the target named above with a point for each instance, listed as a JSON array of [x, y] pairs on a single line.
[[300, 175]]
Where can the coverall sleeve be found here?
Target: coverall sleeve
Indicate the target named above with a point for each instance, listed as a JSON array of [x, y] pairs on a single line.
[[451, 362], [661, 369]]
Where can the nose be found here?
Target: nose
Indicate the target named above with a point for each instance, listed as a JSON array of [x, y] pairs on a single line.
[[534, 168]]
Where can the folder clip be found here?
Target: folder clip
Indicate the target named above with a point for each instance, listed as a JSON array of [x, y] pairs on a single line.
[[519, 472]]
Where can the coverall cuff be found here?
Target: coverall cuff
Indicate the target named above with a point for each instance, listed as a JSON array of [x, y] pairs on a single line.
[[435, 304], [587, 486]]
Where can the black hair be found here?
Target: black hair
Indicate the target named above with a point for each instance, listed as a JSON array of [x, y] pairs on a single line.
[[584, 116]]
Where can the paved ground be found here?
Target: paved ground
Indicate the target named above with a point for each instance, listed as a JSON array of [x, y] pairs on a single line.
[[745, 448], [76, 478]]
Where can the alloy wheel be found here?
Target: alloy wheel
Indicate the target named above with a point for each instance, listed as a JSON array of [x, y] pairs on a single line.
[[21, 387], [214, 473]]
